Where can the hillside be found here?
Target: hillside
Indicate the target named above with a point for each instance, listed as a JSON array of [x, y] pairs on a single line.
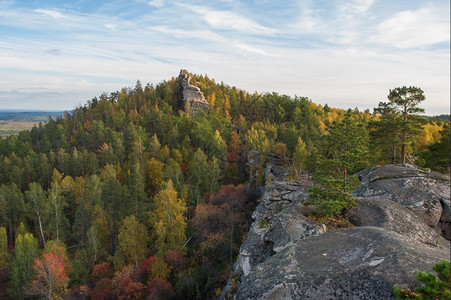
[[149, 191], [14, 121]]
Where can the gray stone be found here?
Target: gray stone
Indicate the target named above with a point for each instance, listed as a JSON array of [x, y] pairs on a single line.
[[288, 256], [354, 263], [422, 192], [192, 95], [288, 227], [389, 215]]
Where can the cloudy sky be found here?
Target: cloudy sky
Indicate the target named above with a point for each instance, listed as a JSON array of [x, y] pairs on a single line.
[[58, 54]]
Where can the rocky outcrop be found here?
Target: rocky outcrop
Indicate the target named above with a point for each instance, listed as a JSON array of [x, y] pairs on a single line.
[[425, 193], [391, 216], [288, 256], [354, 263], [192, 97]]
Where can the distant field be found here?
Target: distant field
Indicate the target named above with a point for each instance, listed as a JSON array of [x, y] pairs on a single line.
[[12, 121]]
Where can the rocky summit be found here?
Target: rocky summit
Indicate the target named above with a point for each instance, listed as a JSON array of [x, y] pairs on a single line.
[[400, 224], [192, 97]]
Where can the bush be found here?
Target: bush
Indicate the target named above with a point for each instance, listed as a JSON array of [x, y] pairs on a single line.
[[433, 288], [331, 198]]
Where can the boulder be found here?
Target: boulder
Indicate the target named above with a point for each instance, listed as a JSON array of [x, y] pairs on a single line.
[[425, 193], [288, 227], [389, 215], [354, 263]]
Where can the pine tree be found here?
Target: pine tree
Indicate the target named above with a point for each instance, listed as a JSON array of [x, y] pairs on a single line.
[[399, 117], [4, 255], [345, 152]]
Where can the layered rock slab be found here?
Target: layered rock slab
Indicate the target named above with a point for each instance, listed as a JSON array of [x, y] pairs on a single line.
[[355, 263], [425, 193], [389, 215]]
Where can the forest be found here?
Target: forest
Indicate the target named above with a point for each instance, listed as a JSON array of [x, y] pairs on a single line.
[[131, 196]]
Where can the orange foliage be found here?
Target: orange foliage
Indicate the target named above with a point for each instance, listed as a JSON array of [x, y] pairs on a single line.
[[51, 278], [128, 290], [103, 270]]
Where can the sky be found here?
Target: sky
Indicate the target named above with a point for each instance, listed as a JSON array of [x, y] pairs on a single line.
[[56, 55]]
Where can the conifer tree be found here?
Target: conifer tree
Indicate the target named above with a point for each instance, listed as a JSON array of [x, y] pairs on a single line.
[[399, 117], [4, 255], [345, 152]]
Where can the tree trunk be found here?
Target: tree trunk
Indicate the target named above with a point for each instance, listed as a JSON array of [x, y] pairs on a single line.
[[40, 226], [393, 154], [403, 154]]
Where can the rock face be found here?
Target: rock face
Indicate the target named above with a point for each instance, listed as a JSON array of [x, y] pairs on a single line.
[[288, 256], [391, 216], [425, 193], [354, 263], [192, 95]]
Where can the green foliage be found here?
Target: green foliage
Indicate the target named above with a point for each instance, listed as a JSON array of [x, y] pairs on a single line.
[[79, 274], [400, 122], [22, 262], [436, 286], [168, 220], [437, 154], [84, 173], [345, 152], [132, 243], [332, 198], [4, 255]]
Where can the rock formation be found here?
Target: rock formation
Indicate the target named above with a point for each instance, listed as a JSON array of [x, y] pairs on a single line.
[[192, 97], [288, 256], [425, 193]]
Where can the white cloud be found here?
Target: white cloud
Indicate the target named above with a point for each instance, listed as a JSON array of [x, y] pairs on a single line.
[[53, 13], [355, 6], [156, 3], [413, 29], [181, 33], [77, 55], [228, 20], [110, 26], [307, 21], [249, 48]]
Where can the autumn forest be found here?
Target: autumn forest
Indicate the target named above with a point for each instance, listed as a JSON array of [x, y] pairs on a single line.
[[134, 196]]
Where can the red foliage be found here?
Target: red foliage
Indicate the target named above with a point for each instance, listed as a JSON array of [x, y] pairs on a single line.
[[54, 265], [102, 289], [50, 276], [175, 259], [146, 265], [103, 270], [160, 289], [184, 168], [128, 290], [145, 269]]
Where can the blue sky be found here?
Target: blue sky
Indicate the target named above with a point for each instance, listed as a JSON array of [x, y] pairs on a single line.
[[348, 53]]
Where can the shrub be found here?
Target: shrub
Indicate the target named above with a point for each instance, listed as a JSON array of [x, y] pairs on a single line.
[[433, 288]]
